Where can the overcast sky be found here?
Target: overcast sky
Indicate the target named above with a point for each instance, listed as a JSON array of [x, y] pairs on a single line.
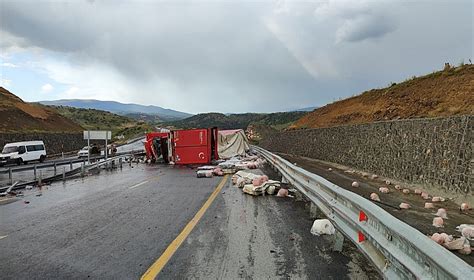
[[225, 56]]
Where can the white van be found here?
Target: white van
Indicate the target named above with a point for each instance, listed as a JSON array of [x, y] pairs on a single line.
[[23, 152]]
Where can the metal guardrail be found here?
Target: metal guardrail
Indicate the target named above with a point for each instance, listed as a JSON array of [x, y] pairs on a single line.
[[78, 170], [58, 162], [398, 250]]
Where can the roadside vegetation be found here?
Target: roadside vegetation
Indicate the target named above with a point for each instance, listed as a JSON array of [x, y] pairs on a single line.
[[92, 119], [278, 121]]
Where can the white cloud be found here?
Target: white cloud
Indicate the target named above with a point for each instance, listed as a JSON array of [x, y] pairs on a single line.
[[5, 82], [47, 88], [8, 64]]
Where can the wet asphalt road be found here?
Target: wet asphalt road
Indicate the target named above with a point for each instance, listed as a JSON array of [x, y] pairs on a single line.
[[116, 224]]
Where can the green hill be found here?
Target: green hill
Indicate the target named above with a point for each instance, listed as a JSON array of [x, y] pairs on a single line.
[[92, 119], [234, 121]]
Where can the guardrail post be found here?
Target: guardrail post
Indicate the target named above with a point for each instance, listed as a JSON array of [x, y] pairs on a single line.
[[55, 166], [34, 168], [338, 241], [82, 169], [70, 165], [64, 173], [40, 178], [313, 210], [298, 196], [10, 175], [120, 163]]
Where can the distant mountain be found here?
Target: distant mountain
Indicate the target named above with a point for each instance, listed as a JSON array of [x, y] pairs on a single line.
[[120, 108], [19, 116], [307, 109], [234, 121]]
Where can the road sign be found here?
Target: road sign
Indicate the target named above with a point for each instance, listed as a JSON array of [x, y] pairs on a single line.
[[97, 135]]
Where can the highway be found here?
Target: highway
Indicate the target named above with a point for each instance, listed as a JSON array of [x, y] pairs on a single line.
[[119, 224]]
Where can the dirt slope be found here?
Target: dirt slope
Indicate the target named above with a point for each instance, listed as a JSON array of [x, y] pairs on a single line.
[[19, 116], [444, 93]]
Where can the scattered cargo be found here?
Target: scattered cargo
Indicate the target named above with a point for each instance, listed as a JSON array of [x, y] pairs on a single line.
[[322, 226]]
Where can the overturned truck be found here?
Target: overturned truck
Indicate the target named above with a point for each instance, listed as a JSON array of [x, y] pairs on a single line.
[[195, 146]]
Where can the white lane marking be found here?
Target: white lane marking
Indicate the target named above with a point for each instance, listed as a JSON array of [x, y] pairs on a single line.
[[3, 236], [137, 185]]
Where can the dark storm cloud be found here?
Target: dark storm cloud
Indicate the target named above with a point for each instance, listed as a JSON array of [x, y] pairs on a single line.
[[233, 56], [225, 47], [365, 27]]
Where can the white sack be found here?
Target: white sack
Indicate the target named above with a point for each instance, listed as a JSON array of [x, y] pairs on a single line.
[[322, 226]]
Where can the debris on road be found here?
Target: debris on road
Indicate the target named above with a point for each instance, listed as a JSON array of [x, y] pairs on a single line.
[[260, 189], [230, 166], [466, 231], [425, 195], [384, 190], [441, 238], [438, 222], [206, 167], [254, 184], [465, 207], [322, 226], [282, 193], [271, 190], [9, 190], [454, 244], [242, 178], [442, 213], [374, 197], [438, 199], [429, 205], [204, 173], [404, 205]]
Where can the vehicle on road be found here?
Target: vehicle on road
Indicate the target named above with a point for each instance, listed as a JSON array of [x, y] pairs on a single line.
[[93, 150], [23, 152]]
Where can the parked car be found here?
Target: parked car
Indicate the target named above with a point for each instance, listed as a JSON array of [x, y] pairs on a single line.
[[94, 150], [23, 152]]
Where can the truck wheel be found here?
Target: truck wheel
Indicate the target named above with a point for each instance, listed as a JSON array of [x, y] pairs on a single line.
[[42, 158], [19, 161]]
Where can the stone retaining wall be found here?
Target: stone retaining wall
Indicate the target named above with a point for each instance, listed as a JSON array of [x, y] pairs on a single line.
[[436, 152]]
